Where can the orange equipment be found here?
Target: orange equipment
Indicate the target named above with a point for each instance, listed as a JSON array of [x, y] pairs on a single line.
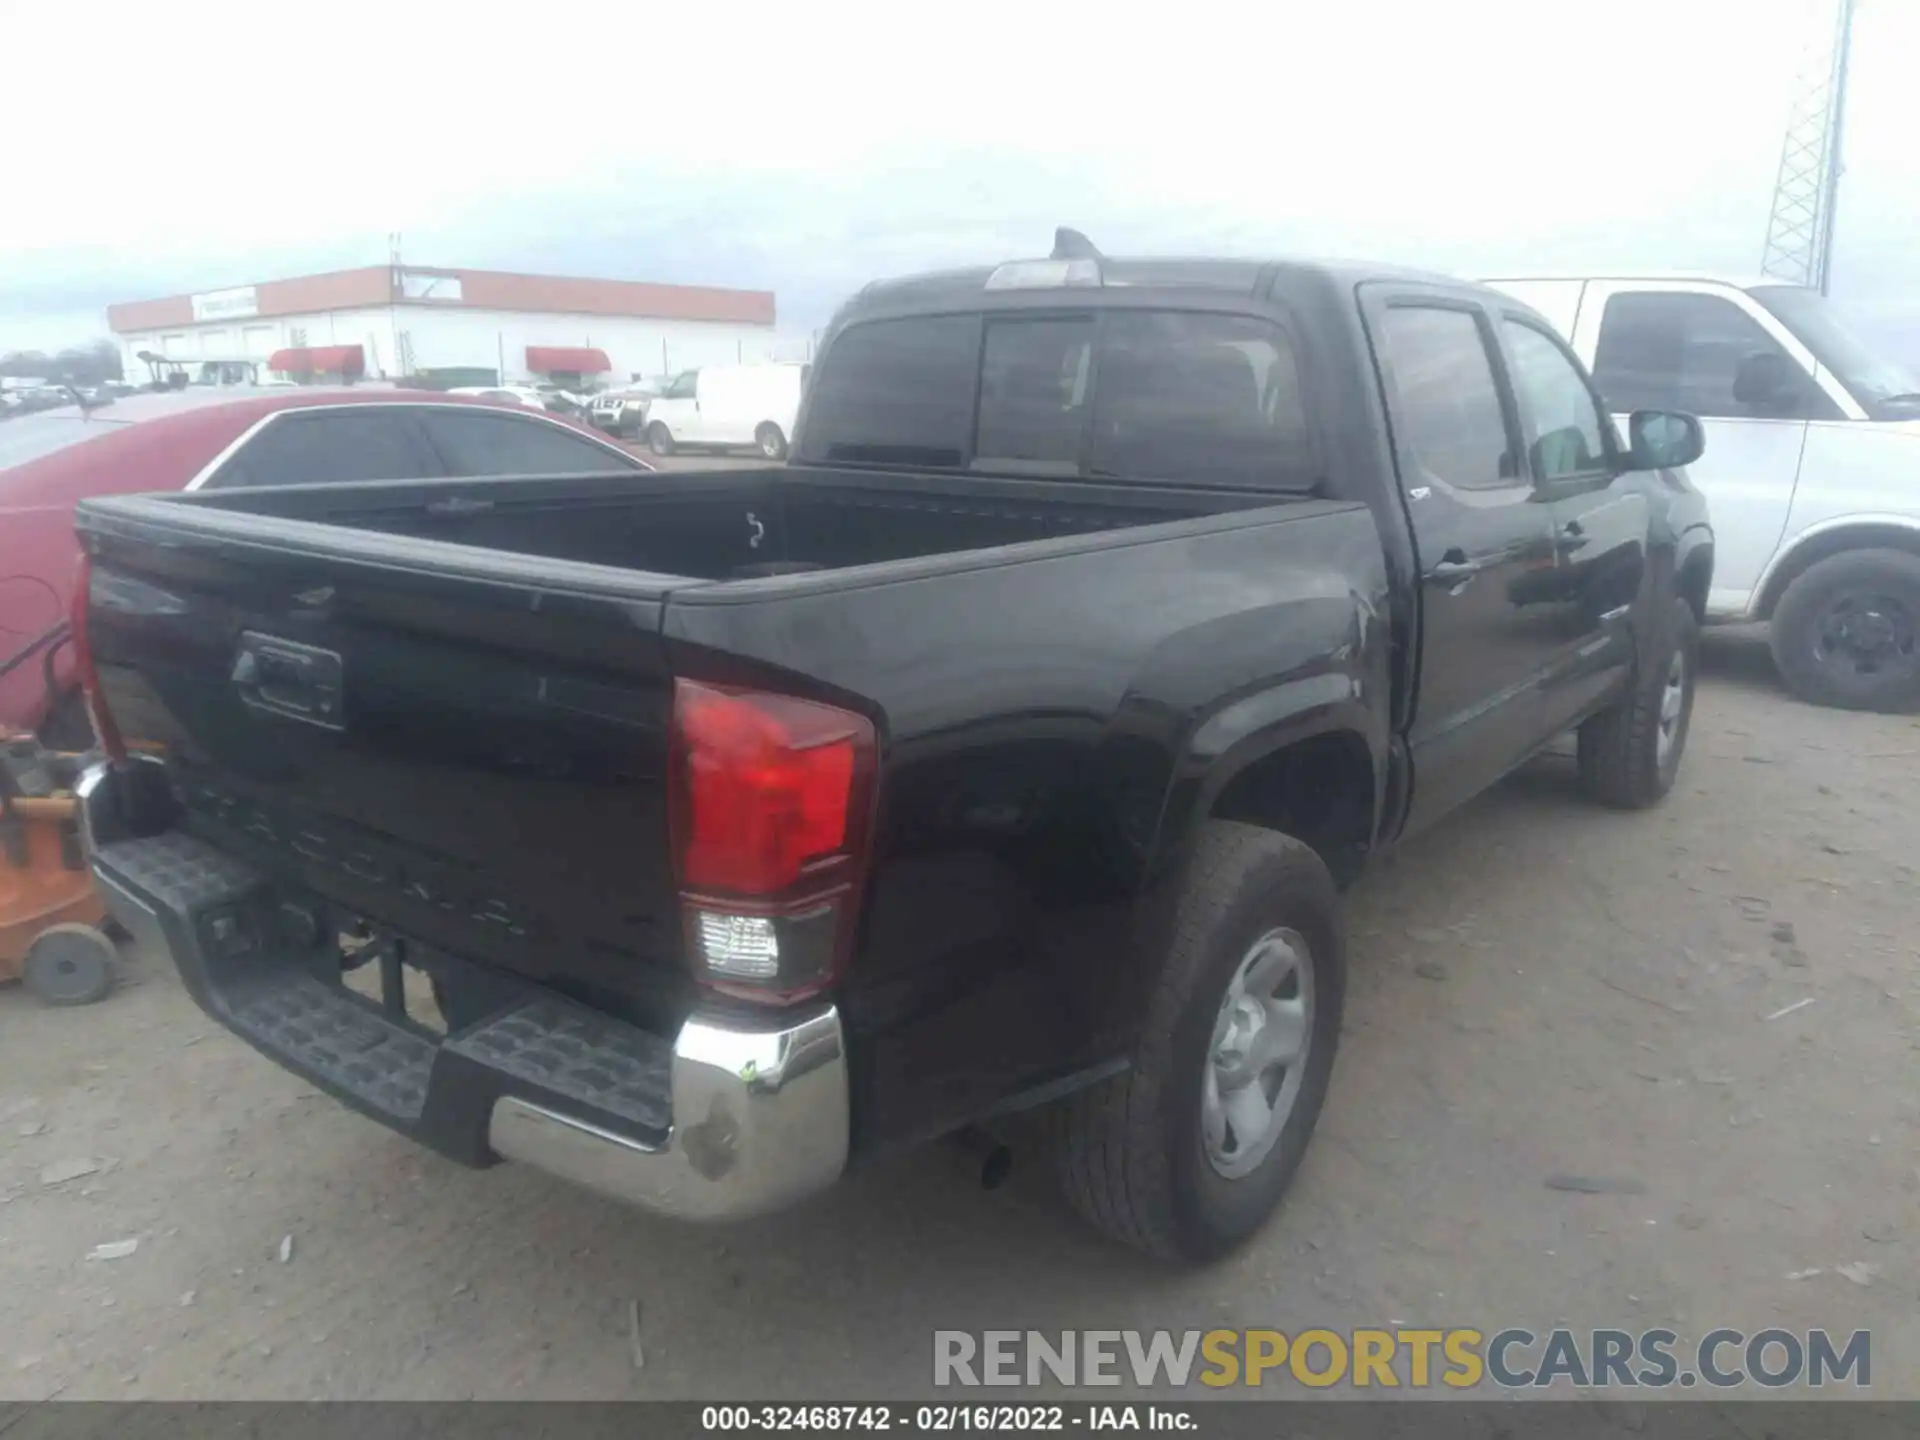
[[49, 913]]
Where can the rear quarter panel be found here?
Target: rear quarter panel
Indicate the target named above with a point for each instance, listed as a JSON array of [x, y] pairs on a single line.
[[1052, 728]]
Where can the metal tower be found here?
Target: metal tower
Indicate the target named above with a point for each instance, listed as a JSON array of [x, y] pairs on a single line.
[[1799, 245]]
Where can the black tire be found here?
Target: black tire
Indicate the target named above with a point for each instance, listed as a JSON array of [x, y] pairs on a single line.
[[770, 441], [1130, 1151], [659, 439], [69, 965], [1620, 751], [1814, 629]]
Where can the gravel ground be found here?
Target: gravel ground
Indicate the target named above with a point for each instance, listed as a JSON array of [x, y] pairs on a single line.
[[1538, 988]]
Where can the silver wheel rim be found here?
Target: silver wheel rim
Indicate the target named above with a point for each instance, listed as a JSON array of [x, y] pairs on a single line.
[[1673, 707], [1262, 1037]]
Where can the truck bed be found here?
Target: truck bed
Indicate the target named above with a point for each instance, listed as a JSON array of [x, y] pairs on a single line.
[[732, 524]]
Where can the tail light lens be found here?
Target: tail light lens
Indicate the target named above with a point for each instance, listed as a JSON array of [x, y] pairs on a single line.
[[104, 728], [772, 800]]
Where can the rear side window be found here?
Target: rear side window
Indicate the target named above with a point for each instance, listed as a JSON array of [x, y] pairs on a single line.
[[1034, 387], [1132, 395], [328, 447], [1205, 399], [896, 392], [484, 444], [1447, 416]]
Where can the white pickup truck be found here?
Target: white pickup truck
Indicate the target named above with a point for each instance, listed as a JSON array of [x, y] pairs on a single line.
[[1812, 465]]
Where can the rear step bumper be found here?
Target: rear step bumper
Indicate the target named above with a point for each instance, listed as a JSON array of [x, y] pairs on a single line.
[[739, 1114]]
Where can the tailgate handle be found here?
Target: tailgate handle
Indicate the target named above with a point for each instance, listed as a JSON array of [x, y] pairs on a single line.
[[284, 677]]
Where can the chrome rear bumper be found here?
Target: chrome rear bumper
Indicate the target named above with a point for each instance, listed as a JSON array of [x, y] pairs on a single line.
[[759, 1121], [744, 1111]]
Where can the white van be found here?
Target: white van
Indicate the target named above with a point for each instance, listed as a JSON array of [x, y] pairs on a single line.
[[728, 405], [1812, 465]]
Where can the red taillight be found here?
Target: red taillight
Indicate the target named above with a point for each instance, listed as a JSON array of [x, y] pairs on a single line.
[[104, 728], [771, 803]]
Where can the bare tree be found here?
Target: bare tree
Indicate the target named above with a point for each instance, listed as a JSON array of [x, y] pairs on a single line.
[[77, 365]]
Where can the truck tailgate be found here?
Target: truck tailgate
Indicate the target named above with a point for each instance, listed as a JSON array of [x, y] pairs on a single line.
[[410, 745]]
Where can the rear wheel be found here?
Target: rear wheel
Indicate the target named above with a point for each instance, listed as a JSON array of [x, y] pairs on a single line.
[[69, 965], [1187, 1153], [1847, 632], [659, 439], [770, 440]]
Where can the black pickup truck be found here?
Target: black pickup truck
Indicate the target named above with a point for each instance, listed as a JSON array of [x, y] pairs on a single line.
[[1003, 751]]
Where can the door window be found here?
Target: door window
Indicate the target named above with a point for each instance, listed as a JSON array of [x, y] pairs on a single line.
[[490, 444], [683, 387], [1447, 417], [1558, 417], [329, 446], [1662, 350]]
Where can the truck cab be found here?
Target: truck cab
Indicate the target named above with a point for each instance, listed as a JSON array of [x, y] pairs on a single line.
[[1813, 445]]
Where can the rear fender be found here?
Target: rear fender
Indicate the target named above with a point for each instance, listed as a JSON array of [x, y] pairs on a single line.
[[1332, 677], [1327, 700], [1831, 537], [1318, 717]]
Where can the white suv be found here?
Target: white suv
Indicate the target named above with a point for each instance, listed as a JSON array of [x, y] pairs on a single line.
[[624, 410], [1812, 466]]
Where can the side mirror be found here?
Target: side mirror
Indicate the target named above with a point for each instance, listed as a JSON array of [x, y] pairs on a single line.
[[1769, 381], [1663, 440]]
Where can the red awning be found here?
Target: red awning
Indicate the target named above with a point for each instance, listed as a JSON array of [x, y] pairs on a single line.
[[321, 359], [545, 359]]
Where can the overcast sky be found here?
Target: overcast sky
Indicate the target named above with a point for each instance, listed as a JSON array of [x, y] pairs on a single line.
[[806, 148]]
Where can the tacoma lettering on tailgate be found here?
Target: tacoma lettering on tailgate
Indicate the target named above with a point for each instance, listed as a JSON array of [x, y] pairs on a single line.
[[350, 850]]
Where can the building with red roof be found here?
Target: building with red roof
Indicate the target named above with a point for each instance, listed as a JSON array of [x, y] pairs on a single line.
[[452, 327]]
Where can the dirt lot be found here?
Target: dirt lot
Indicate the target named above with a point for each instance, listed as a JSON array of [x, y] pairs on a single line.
[[1593, 995]]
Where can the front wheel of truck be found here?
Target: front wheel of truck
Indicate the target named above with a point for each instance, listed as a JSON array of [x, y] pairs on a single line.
[[1187, 1153], [1628, 756]]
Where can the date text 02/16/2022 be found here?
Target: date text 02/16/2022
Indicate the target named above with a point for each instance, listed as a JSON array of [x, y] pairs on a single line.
[[942, 1418]]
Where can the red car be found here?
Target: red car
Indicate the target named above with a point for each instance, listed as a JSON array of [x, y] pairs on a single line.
[[184, 441]]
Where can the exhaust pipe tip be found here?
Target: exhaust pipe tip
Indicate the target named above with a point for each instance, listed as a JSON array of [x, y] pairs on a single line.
[[991, 1161]]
